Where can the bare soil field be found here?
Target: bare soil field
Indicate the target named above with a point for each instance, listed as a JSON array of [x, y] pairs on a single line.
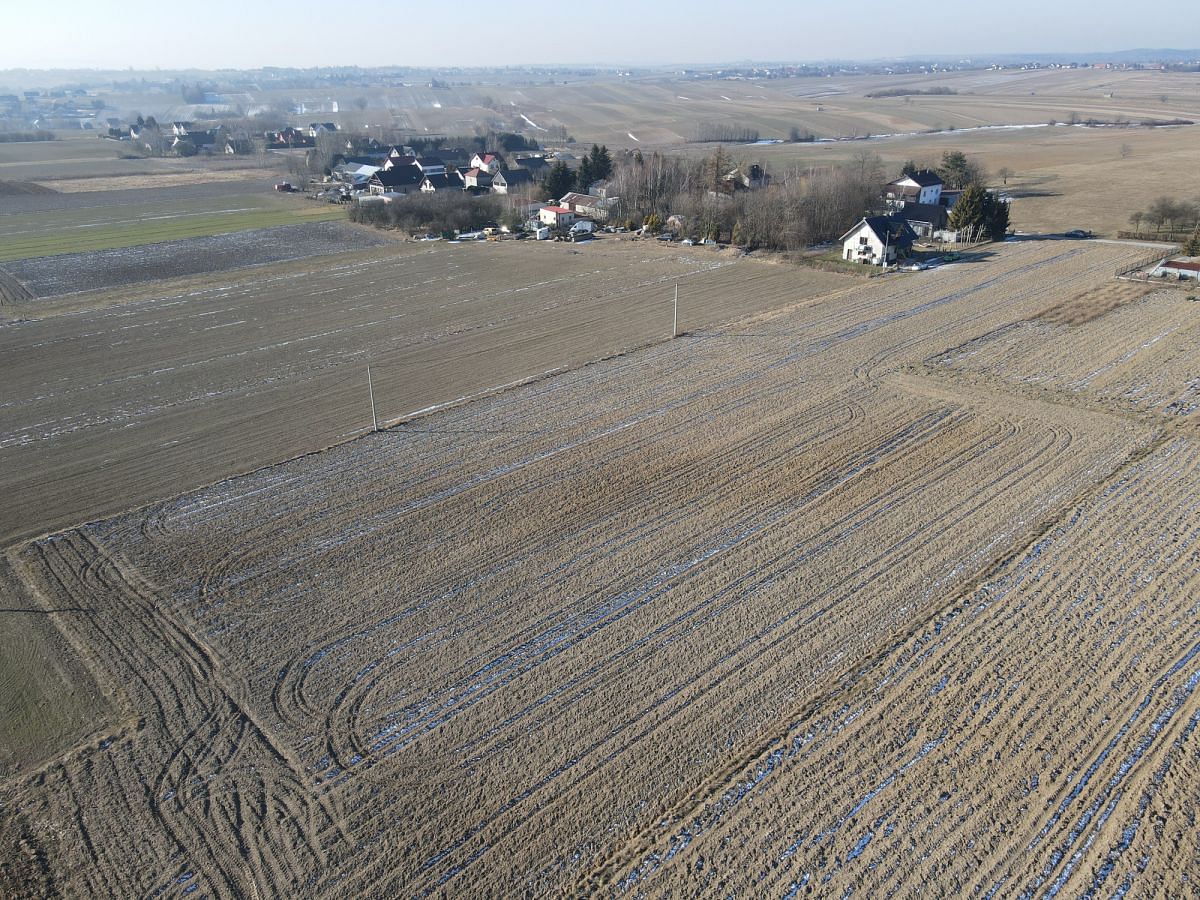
[[800, 604], [119, 397], [48, 276]]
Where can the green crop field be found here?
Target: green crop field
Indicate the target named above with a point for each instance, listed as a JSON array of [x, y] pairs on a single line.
[[74, 231]]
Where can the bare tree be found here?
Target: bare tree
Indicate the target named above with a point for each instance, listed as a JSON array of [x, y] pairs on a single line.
[[1005, 173]]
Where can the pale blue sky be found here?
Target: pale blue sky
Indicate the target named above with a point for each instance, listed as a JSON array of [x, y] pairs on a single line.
[[252, 33]]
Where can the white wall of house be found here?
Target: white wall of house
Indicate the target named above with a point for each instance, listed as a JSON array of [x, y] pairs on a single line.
[[555, 218], [863, 246], [930, 194]]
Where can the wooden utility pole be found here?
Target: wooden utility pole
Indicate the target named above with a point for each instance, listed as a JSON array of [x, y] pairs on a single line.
[[371, 394], [675, 314]]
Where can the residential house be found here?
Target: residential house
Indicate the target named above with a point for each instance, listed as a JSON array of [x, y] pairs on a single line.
[[315, 128], [877, 241], [489, 162], [477, 180], [441, 181], [922, 187], [432, 165], [397, 180], [238, 147], [556, 216], [393, 162], [180, 129], [511, 181]]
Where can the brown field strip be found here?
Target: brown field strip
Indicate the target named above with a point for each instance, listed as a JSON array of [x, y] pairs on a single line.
[[884, 590]]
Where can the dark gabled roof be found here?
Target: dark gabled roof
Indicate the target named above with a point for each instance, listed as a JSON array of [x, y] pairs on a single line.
[[933, 213], [427, 161], [530, 162], [443, 182], [398, 176], [514, 176], [924, 178], [894, 232]]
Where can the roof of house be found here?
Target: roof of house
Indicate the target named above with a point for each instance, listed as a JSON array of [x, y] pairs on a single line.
[[933, 213], [477, 173], [440, 181], [558, 210], [429, 162], [894, 232], [530, 162], [398, 176], [514, 176], [923, 178]]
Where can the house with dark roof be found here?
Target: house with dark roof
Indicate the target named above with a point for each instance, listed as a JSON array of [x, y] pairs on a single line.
[[441, 181], [432, 165], [924, 218], [535, 165], [511, 181], [924, 187], [315, 128], [877, 241], [396, 180]]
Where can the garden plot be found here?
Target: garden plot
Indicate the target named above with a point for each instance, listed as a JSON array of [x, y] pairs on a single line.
[[66, 273], [758, 607]]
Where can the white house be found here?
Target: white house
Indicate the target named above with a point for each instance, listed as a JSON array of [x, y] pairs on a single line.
[[488, 162], [876, 239], [920, 187], [556, 216]]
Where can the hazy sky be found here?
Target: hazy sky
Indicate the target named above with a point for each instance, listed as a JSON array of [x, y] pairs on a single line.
[[252, 33]]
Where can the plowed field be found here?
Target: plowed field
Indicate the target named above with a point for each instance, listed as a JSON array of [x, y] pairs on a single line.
[[890, 591]]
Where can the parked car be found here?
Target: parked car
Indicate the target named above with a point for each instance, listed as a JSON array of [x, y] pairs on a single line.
[[285, 186], [687, 242], [665, 237], [1078, 234]]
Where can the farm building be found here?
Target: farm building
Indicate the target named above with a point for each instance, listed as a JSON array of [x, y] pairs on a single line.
[[920, 187], [586, 205], [925, 219], [877, 241], [556, 216], [1185, 269]]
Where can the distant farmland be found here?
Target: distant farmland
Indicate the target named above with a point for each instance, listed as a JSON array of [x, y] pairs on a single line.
[[871, 593]]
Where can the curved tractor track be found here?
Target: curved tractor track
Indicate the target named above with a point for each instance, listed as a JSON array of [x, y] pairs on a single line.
[[894, 588]]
